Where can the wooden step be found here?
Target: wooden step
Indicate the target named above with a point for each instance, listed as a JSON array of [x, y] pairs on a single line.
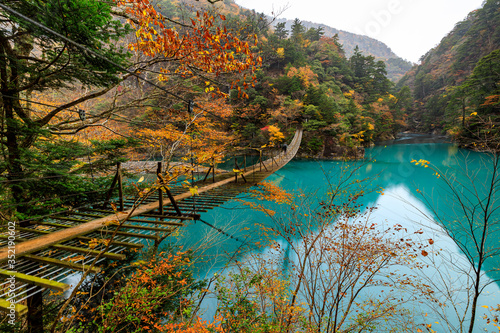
[[19, 309], [34, 280]]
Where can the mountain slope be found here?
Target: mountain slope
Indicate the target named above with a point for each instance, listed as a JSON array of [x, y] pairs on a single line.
[[396, 66], [349, 40], [449, 65]]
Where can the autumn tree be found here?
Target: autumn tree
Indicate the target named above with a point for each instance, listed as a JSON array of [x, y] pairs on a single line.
[[472, 224], [322, 259]]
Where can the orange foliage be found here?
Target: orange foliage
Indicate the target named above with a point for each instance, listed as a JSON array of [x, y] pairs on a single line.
[[305, 74], [201, 47], [138, 303], [275, 135], [202, 136], [270, 192], [491, 100]]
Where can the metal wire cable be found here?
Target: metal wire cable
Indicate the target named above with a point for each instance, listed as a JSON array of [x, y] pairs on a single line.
[[225, 233], [32, 102]]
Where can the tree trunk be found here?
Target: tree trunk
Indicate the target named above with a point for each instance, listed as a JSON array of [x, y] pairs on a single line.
[[15, 170], [35, 312]]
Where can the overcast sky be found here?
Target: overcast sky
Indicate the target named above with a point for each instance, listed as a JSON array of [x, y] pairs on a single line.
[[409, 27]]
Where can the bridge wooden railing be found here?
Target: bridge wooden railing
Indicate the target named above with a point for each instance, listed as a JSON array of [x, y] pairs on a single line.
[[43, 254]]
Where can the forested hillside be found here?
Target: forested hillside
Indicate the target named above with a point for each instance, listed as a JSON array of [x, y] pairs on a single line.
[[307, 77], [456, 85], [396, 66]]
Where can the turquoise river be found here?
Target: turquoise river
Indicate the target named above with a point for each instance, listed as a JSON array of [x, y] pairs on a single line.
[[403, 193]]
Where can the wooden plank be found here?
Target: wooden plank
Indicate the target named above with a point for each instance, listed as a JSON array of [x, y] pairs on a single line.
[[62, 263], [19, 309], [72, 219], [76, 249], [18, 239], [193, 205], [177, 224], [51, 224], [114, 242], [130, 234], [171, 211], [205, 199], [83, 238], [107, 211], [95, 215], [34, 280], [90, 215], [35, 231], [141, 227], [171, 217], [129, 226]]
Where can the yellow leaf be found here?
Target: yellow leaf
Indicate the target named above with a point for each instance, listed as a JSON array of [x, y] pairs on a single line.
[[193, 190], [137, 263], [485, 306], [141, 179]]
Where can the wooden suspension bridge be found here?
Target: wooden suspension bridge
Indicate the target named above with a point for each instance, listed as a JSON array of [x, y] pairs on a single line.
[[40, 254]]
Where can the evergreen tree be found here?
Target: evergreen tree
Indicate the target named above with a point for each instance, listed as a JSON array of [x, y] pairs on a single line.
[[314, 34], [280, 31], [298, 30], [34, 60]]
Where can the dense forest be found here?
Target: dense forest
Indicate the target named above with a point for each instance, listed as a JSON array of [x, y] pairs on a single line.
[[456, 85], [307, 77], [396, 66]]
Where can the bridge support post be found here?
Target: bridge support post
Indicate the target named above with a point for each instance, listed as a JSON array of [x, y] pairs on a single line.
[[173, 202], [112, 187], [235, 173], [260, 160], [238, 168], [120, 185], [160, 191], [208, 172], [35, 312]]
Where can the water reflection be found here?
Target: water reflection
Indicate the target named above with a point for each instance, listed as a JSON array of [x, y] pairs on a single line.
[[395, 187]]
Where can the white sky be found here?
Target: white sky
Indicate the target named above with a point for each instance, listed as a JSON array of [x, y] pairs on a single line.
[[409, 27]]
